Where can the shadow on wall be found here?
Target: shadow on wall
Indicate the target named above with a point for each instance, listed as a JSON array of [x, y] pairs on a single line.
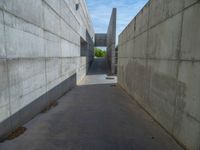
[[37, 106], [159, 66]]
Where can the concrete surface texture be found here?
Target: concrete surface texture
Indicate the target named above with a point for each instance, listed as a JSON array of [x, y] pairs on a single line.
[[93, 117], [100, 39], [40, 48], [111, 41], [159, 65]]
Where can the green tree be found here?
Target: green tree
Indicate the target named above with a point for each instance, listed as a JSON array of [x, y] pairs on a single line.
[[99, 52]]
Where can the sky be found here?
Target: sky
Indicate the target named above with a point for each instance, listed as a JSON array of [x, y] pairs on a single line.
[[100, 12]]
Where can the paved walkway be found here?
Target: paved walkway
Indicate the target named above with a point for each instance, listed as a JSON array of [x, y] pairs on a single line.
[[98, 74], [93, 117]]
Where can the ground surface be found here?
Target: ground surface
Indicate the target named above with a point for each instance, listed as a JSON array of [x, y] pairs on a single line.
[[93, 117], [97, 74]]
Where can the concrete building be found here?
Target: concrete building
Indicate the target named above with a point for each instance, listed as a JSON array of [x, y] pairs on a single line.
[[159, 65], [109, 40], [46, 47]]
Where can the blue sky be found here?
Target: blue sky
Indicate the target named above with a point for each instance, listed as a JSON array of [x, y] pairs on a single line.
[[100, 11]]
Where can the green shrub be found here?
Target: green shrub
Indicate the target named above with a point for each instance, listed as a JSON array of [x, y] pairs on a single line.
[[99, 52]]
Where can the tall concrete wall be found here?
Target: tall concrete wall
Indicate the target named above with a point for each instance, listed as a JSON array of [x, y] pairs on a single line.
[[40, 55], [111, 41], [159, 65]]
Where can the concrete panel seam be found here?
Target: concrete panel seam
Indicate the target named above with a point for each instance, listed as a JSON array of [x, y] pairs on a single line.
[[87, 12], [61, 16], [149, 28], [147, 48], [177, 69], [167, 59], [31, 91], [192, 117], [43, 27], [71, 12], [135, 17], [38, 27], [191, 5], [143, 108], [45, 59], [40, 58], [21, 18], [8, 78], [60, 37]]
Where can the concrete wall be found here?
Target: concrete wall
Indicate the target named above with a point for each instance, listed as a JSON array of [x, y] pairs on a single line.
[[159, 65], [100, 39], [40, 55], [111, 41]]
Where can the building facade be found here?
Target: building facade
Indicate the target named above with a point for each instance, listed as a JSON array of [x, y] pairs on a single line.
[[46, 47]]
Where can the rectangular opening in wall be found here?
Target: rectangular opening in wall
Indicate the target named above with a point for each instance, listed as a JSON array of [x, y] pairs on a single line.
[[84, 47]]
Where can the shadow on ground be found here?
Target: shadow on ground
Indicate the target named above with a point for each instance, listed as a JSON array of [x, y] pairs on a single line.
[[97, 74], [98, 67]]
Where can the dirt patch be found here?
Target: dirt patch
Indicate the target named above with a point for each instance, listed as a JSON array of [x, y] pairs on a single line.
[[50, 106], [16, 133]]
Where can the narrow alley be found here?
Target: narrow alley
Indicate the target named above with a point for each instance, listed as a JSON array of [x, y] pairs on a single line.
[[93, 117]]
